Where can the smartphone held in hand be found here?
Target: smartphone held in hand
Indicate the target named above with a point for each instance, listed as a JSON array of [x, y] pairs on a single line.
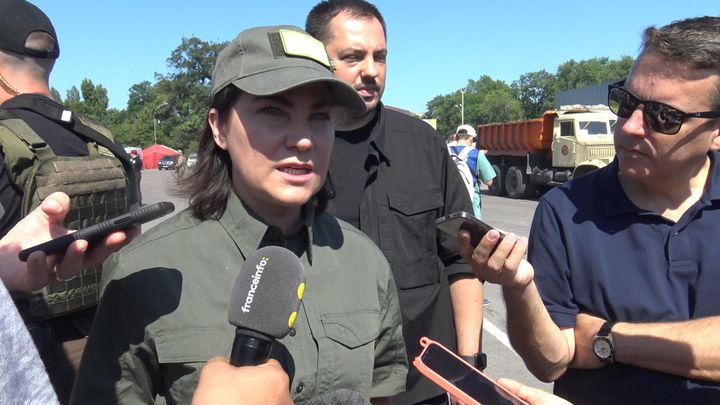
[[459, 378], [456, 221]]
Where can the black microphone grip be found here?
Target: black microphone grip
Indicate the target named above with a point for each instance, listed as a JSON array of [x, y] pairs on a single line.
[[249, 350], [100, 230]]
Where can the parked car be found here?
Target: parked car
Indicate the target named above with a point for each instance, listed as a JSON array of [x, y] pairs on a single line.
[[191, 160], [167, 162]]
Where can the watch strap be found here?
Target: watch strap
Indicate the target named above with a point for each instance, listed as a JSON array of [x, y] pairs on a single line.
[[606, 328], [477, 360]]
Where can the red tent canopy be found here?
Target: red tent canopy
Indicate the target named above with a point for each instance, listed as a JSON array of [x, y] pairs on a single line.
[[153, 153]]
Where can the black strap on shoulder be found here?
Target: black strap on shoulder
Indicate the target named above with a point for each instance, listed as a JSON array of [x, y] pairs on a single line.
[[53, 111]]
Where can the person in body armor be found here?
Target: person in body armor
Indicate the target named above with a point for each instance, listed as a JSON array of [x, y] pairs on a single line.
[[46, 148]]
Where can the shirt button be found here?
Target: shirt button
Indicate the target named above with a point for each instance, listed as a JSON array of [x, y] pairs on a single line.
[[300, 387], [292, 332]]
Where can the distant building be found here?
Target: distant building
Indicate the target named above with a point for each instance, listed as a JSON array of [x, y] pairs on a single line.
[[590, 95]]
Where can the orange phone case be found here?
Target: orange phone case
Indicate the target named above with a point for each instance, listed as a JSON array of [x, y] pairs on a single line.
[[449, 386]]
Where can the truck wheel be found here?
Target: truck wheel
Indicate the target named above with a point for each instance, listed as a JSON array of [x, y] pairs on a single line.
[[515, 182], [498, 184]]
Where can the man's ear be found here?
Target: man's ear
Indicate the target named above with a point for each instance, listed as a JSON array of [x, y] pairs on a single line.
[[715, 146], [217, 129]]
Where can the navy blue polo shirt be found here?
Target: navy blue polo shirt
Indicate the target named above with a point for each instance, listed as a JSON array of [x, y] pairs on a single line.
[[595, 251]]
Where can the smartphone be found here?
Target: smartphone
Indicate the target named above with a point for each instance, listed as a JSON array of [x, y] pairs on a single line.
[[100, 230], [452, 223], [459, 378]]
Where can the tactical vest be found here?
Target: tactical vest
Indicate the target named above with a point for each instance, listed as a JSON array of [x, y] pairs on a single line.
[[97, 184]]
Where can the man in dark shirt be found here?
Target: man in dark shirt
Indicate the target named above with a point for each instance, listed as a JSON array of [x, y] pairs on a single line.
[[137, 165], [620, 304], [393, 178]]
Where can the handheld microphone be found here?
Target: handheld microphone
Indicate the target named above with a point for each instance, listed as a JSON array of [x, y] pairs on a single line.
[[264, 303]]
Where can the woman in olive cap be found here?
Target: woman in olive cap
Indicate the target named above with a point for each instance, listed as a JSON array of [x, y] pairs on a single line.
[[259, 181]]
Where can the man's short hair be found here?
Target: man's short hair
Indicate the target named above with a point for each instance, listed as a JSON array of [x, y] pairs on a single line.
[[463, 134], [318, 20], [693, 42]]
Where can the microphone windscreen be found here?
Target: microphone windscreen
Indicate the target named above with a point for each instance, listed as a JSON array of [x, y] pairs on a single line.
[[267, 292], [340, 397]]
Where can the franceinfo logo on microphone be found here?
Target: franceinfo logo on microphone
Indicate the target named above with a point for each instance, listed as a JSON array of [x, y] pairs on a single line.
[[259, 269]]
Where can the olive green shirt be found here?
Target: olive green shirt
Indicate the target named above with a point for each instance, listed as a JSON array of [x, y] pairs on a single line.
[[163, 312]]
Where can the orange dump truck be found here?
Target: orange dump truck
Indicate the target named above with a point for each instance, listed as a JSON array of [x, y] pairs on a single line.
[[547, 151]]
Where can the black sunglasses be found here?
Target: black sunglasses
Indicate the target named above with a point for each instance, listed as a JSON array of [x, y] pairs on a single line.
[[657, 116]]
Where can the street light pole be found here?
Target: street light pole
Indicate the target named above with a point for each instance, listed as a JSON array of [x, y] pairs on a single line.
[[462, 107], [163, 104]]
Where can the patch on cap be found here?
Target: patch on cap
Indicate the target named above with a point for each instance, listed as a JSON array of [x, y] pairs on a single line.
[[297, 43]]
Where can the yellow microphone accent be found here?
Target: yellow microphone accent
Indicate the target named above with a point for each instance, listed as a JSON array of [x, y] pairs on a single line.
[[301, 290], [292, 319]]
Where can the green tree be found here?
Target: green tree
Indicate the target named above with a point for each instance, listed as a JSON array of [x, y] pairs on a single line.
[[72, 97], [499, 105], [536, 92], [186, 89], [489, 100], [140, 95], [443, 108], [573, 75], [486, 100], [95, 99], [56, 95]]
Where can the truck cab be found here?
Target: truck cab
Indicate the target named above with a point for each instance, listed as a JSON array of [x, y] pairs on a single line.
[[582, 140]]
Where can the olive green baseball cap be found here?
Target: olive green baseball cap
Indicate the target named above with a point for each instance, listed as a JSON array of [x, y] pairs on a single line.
[[264, 61]]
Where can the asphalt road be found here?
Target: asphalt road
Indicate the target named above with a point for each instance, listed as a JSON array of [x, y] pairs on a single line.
[[503, 213]]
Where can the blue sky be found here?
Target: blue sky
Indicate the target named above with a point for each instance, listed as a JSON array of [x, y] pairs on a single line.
[[435, 47]]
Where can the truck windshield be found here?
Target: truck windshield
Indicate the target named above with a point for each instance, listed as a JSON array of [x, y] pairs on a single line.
[[594, 127]]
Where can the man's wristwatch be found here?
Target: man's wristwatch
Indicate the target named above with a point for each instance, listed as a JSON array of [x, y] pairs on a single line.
[[478, 360], [603, 345]]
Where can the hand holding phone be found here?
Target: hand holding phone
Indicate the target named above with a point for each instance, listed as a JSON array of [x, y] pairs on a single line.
[[102, 229], [456, 221], [459, 378]]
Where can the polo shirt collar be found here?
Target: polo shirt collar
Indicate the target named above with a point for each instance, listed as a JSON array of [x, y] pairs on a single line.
[[713, 188], [250, 233], [617, 202]]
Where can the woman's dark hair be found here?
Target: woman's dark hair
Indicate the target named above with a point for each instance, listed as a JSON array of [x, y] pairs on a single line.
[[209, 184]]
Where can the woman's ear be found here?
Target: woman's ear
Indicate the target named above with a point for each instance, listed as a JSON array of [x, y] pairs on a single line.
[[217, 129]]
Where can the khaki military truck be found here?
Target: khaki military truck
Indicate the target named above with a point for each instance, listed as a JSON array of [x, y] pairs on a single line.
[[544, 152]]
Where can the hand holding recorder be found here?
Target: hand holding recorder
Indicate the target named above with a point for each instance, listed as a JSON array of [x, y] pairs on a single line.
[[43, 223], [494, 255], [98, 231]]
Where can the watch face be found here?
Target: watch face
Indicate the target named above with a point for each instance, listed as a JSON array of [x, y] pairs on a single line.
[[602, 347]]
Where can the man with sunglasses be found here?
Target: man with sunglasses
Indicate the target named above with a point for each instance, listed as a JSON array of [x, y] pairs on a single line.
[[621, 302]]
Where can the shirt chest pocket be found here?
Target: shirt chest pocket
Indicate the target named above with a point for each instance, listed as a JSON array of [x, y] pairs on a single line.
[[182, 353], [349, 352], [411, 234]]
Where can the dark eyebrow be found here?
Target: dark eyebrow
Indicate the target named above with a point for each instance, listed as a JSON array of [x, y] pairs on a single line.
[[286, 102]]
